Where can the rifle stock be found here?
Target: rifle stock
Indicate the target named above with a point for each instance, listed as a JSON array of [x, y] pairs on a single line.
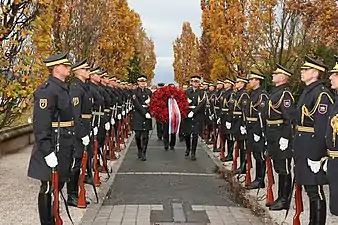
[[248, 168], [299, 204], [81, 203], [56, 201], [97, 182], [234, 163], [271, 182]]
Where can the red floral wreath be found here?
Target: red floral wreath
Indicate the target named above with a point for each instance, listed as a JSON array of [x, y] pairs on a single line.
[[159, 103]]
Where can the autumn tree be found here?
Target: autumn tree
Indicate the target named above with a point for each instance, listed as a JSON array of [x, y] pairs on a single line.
[[104, 31], [185, 54]]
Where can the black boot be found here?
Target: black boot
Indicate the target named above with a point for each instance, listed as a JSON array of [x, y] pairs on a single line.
[[194, 147], [45, 209], [260, 174], [144, 150], [187, 144], [242, 166], [280, 190], [319, 210], [230, 148], [72, 188], [283, 195], [139, 147]]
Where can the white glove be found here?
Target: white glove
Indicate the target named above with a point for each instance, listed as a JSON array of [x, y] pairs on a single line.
[[127, 110], [95, 130], [256, 137], [243, 130], [211, 117], [228, 125], [107, 126], [189, 100], [191, 114], [147, 101], [85, 140], [51, 160], [283, 143], [148, 116], [119, 116], [314, 165], [123, 113], [219, 121], [112, 121]]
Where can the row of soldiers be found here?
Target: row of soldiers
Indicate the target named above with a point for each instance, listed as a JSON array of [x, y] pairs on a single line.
[[272, 126], [71, 115]]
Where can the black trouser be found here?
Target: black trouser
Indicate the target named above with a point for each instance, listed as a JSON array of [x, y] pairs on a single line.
[[45, 202], [142, 138], [260, 166], [282, 166], [230, 144], [159, 128], [317, 204], [191, 143], [166, 136], [73, 183]]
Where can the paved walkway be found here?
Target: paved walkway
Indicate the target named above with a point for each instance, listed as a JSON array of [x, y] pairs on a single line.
[[168, 189]]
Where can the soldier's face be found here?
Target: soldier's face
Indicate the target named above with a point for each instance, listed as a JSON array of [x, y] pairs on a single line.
[[276, 78], [219, 86], [227, 86], [306, 75], [195, 83], [211, 88], [185, 87], [142, 84], [239, 85], [334, 81]]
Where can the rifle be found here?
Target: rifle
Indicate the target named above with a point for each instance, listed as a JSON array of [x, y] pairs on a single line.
[[234, 163], [299, 204], [81, 203], [248, 165], [271, 181], [97, 182], [55, 183]]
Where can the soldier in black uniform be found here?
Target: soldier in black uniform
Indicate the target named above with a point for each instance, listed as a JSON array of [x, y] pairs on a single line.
[[192, 125], [238, 121], [258, 104], [226, 118], [314, 106], [52, 113], [280, 117], [141, 118], [217, 111], [82, 111], [159, 126], [331, 165]]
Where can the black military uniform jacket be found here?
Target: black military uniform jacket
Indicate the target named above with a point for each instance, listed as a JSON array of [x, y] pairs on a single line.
[[82, 111], [258, 104], [217, 104], [196, 101], [139, 121], [239, 124], [281, 113], [313, 108], [227, 110], [52, 103]]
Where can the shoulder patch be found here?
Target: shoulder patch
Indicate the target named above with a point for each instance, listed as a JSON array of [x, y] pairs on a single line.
[[76, 101], [43, 103], [287, 103], [322, 108], [134, 96], [262, 104]]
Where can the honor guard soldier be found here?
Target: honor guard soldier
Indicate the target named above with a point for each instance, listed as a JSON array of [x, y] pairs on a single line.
[[53, 129], [159, 126], [314, 106], [331, 165], [141, 118], [82, 111], [256, 143], [226, 118], [192, 125], [185, 87], [217, 111], [239, 124], [281, 115]]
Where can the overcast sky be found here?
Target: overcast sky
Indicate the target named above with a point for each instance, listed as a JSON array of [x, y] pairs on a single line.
[[163, 21]]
